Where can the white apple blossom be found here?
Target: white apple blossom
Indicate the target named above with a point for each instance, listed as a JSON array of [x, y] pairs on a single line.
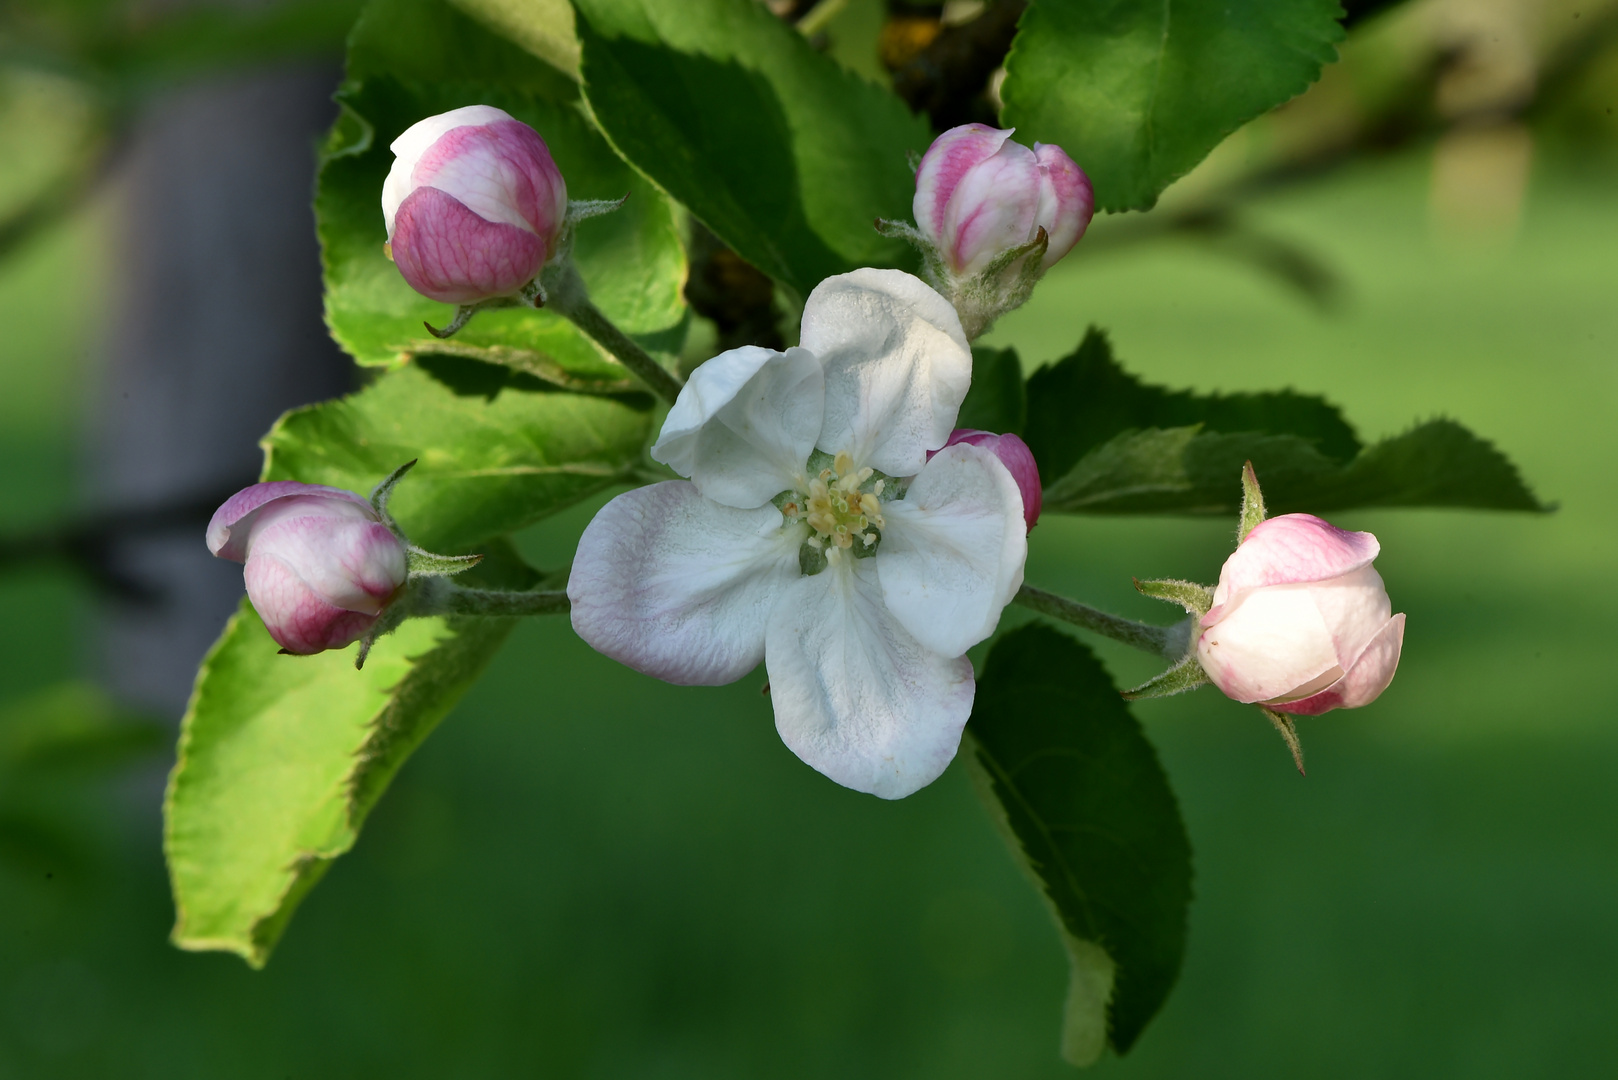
[[814, 534]]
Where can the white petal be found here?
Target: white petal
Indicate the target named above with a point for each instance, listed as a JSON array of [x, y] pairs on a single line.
[[1355, 607], [856, 697], [679, 587], [408, 148], [953, 550], [897, 367], [745, 423], [1267, 643]]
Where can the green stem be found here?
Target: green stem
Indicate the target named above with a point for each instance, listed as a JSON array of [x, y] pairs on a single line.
[[567, 296], [1169, 642], [445, 598]]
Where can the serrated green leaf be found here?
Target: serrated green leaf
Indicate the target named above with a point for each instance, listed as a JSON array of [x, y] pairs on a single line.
[[1108, 443], [787, 156], [497, 450], [997, 400], [1190, 471], [282, 757], [542, 27], [1087, 398], [1083, 802], [409, 59], [1138, 91]]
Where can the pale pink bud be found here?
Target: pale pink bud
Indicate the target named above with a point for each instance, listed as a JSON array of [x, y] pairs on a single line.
[[979, 194], [321, 565], [1016, 457], [474, 205], [1300, 621]]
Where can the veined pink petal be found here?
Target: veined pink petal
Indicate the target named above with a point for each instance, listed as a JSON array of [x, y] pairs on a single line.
[[352, 564], [502, 172], [1289, 550], [1066, 201], [1015, 455], [950, 157], [1364, 682], [299, 620], [415, 141], [448, 253], [992, 209], [231, 523]]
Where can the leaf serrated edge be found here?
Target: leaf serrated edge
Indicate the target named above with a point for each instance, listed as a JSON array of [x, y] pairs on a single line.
[[360, 788]]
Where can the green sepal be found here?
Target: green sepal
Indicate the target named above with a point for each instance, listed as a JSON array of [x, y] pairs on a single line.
[[426, 564], [1186, 675], [1287, 728], [1196, 599], [384, 491], [1253, 512]]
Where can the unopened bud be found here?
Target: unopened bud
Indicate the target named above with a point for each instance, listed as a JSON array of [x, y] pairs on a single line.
[[320, 563], [1301, 622], [1016, 457], [474, 205], [980, 195]]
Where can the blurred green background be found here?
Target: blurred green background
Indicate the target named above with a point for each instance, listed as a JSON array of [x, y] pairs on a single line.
[[588, 873]]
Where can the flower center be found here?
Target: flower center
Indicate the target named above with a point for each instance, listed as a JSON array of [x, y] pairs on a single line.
[[840, 507]]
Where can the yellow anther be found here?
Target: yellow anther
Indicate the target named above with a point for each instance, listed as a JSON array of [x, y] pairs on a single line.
[[876, 488], [837, 509]]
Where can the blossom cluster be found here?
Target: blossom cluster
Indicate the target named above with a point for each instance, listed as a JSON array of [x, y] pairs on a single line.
[[829, 520]]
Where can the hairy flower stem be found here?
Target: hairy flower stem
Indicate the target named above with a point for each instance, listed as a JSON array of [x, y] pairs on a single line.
[[567, 296], [1169, 642], [445, 598]]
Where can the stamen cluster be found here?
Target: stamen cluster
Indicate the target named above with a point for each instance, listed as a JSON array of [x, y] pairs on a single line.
[[838, 510]]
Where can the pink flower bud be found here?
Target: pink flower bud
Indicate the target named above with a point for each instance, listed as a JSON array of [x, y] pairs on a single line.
[[1015, 456], [979, 194], [474, 205], [1300, 621], [321, 565]]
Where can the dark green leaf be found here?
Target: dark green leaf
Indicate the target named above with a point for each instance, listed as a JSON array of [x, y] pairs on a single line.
[[1086, 399], [1190, 471], [496, 450], [997, 400], [1108, 443], [282, 757], [1138, 91], [409, 59], [788, 157], [542, 27], [1079, 794]]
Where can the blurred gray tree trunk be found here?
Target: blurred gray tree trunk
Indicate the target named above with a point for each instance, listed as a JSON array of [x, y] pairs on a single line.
[[216, 330]]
